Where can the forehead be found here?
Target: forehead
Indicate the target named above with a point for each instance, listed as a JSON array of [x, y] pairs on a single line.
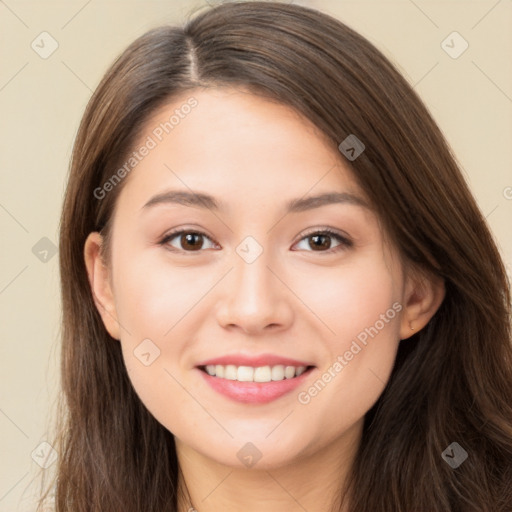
[[237, 145]]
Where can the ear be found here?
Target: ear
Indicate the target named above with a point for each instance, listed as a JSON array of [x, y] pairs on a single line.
[[423, 296], [99, 281]]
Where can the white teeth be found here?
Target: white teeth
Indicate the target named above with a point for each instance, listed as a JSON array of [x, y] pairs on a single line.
[[289, 372], [245, 374], [230, 372], [250, 374], [262, 374], [278, 372], [300, 370]]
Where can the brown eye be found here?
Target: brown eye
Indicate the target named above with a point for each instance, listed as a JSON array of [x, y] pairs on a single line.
[[192, 241], [188, 241], [321, 241]]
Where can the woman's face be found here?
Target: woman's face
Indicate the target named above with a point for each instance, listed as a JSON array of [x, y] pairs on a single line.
[[251, 279]]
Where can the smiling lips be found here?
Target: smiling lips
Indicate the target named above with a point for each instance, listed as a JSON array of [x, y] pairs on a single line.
[[254, 379]]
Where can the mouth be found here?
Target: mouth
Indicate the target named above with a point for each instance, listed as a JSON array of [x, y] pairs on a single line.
[[254, 385]]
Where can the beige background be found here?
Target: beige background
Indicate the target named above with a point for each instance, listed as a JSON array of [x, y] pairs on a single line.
[[41, 103]]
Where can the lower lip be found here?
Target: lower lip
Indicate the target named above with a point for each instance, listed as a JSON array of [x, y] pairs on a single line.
[[254, 392]]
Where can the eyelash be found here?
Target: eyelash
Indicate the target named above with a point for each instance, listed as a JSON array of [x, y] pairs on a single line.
[[345, 242]]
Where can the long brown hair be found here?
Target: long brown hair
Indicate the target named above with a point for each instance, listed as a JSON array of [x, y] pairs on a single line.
[[452, 381]]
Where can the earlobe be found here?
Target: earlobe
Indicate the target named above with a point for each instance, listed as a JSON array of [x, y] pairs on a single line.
[[423, 297], [99, 282]]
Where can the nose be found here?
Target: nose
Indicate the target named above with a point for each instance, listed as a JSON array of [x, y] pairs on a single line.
[[255, 299]]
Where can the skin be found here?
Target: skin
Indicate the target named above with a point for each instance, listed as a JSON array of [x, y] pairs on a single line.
[[294, 300]]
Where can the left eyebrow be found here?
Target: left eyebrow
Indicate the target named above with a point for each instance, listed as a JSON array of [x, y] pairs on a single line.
[[193, 199], [206, 201], [308, 203]]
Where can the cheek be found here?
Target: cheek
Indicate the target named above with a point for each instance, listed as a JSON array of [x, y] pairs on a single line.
[[159, 305], [353, 297], [361, 308], [153, 303], [152, 298]]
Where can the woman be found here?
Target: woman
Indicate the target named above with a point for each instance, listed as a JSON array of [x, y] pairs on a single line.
[[278, 290]]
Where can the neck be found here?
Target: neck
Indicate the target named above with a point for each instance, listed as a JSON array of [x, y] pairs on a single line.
[[314, 482]]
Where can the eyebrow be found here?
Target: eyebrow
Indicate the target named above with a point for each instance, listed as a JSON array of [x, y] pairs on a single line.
[[206, 201]]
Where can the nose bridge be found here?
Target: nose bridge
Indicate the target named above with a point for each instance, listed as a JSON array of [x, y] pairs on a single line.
[[254, 298], [253, 284], [251, 273]]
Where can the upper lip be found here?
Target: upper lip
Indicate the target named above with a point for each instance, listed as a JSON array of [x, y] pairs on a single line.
[[254, 361]]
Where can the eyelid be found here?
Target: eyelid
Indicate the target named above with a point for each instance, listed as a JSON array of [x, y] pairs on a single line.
[[325, 229]]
